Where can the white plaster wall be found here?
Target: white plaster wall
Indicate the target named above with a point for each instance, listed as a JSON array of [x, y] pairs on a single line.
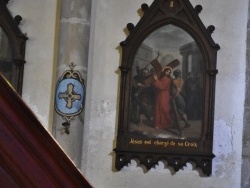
[[109, 18], [39, 18]]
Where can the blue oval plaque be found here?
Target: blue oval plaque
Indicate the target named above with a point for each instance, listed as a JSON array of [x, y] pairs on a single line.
[[69, 99]]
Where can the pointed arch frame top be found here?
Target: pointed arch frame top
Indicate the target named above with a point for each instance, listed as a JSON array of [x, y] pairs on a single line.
[[178, 142]]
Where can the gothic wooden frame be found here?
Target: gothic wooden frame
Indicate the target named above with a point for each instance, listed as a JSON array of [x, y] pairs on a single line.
[[17, 42], [182, 14]]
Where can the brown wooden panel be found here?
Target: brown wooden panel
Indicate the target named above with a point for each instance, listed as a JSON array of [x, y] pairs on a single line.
[[29, 156]]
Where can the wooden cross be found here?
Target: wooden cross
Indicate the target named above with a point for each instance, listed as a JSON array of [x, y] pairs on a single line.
[[69, 96]]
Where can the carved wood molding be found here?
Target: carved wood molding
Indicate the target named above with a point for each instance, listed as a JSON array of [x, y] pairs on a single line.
[[174, 28], [17, 42]]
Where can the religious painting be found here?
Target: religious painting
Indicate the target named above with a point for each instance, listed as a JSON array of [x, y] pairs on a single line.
[[166, 94], [168, 73], [5, 55], [12, 48]]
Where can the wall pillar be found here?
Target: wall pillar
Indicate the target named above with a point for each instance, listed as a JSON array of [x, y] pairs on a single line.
[[73, 47]]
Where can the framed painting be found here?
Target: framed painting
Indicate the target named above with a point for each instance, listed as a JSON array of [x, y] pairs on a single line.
[[12, 47], [167, 89]]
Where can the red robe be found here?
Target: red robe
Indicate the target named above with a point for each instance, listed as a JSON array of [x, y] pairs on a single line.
[[162, 118]]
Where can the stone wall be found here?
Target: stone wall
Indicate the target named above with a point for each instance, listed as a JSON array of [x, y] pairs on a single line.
[[245, 175], [108, 20]]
